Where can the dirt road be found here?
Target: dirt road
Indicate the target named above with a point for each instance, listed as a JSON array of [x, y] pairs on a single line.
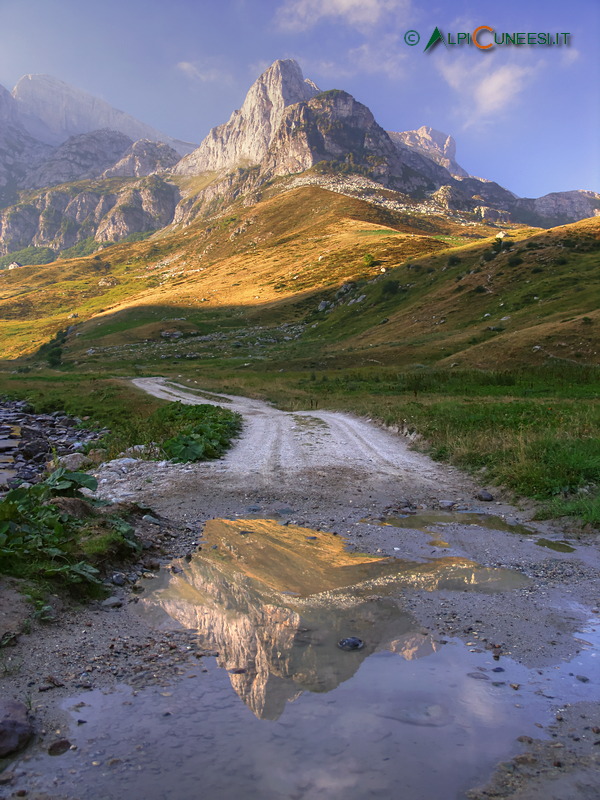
[[320, 452]]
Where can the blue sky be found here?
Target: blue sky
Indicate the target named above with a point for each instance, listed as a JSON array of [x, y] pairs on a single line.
[[527, 117]]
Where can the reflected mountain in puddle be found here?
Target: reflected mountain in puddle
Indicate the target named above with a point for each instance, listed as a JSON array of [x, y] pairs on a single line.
[[275, 600]]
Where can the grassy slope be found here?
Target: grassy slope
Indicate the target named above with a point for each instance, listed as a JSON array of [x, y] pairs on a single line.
[[297, 242], [531, 311]]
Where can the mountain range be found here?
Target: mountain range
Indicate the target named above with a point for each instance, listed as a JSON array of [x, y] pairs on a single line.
[[75, 172]]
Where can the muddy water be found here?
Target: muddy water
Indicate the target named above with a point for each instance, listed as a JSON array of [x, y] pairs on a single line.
[[429, 520], [281, 711]]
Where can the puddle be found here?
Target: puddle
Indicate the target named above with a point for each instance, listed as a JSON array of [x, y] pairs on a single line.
[[432, 519], [291, 594], [282, 711], [274, 559], [559, 546]]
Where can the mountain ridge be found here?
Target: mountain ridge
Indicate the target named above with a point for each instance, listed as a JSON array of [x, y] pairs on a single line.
[[286, 127]]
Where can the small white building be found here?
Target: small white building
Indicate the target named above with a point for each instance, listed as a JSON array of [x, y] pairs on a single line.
[[14, 265]]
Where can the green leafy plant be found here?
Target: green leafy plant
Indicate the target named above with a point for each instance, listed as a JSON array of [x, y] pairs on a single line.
[[40, 540], [202, 432]]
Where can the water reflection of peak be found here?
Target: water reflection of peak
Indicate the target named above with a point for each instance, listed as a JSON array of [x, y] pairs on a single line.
[[274, 601], [286, 645]]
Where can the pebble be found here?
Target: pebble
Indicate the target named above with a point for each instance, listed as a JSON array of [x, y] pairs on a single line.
[[112, 602], [351, 643], [59, 747]]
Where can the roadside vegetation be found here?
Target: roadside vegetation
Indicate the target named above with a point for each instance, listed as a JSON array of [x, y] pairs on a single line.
[[134, 419], [54, 537]]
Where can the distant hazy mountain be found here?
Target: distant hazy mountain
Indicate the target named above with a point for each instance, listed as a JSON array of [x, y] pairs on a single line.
[[52, 111], [84, 156], [143, 158], [19, 151]]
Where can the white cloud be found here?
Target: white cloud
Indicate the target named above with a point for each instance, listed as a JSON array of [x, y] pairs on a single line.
[[304, 14], [569, 55], [383, 56], [496, 91], [486, 90], [204, 72]]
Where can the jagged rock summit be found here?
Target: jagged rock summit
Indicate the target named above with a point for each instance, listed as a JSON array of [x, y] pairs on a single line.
[[435, 145], [246, 137], [52, 111]]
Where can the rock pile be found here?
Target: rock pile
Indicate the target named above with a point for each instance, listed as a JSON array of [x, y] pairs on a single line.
[[28, 441]]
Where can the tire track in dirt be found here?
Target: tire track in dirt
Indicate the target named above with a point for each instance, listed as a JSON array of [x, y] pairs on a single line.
[[304, 448]]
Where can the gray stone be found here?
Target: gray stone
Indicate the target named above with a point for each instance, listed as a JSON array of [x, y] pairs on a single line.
[[15, 727], [447, 505], [484, 496], [112, 602], [74, 461]]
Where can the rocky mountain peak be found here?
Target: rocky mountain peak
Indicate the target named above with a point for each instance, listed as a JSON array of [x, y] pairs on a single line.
[[340, 134], [435, 145], [281, 85], [246, 137]]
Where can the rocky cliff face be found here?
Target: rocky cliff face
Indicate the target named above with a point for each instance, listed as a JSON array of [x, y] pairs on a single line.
[[143, 158], [341, 134], [557, 208], [147, 206], [52, 111], [80, 157], [246, 137], [434, 145], [62, 217]]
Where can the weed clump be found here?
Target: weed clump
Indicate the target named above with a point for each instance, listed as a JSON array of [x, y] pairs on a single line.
[[45, 535]]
